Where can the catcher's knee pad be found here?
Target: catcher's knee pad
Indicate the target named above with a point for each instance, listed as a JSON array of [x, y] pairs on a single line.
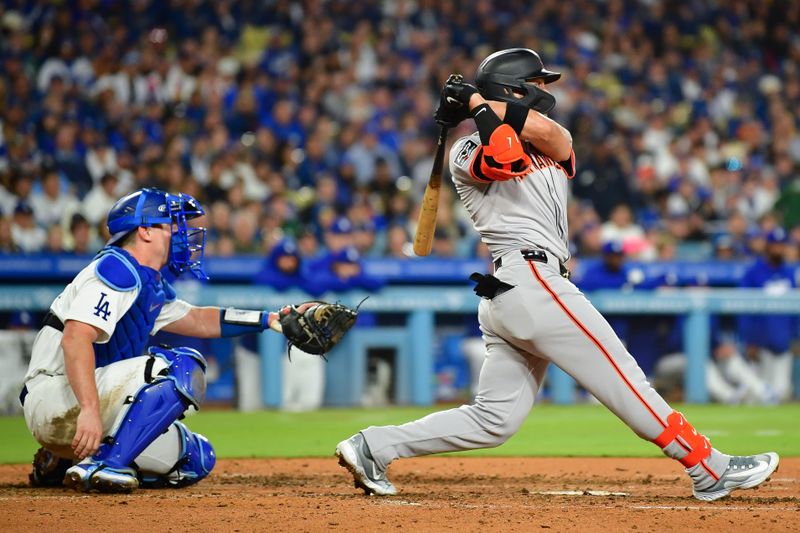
[[187, 369], [681, 441], [156, 405]]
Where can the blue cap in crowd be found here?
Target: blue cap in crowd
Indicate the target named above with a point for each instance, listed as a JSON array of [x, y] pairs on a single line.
[[23, 209], [341, 226], [285, 247], [777, 235], [613, 247], [21, 319], [346, 255]]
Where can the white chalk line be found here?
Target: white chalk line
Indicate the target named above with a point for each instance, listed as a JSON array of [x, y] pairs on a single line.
[[714, 508]]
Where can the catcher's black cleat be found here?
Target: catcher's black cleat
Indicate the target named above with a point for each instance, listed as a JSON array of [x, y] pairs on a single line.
[[355, 456], [48, 469]]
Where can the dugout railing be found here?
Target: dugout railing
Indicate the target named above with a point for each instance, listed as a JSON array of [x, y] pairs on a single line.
[[414, 340]]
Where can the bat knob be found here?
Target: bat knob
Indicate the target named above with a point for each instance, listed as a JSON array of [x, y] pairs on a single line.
[[455, 78]]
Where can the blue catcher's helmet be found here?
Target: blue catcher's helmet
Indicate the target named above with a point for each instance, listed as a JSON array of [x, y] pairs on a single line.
[[151, 206]]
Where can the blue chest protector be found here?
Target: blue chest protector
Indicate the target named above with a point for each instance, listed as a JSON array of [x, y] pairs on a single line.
[[120, 271]]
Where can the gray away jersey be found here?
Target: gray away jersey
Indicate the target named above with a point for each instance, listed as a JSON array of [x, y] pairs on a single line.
[[528, 211]]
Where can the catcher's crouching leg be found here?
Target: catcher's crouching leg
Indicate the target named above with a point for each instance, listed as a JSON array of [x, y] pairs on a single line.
[[151, 412], [178, 458], [48, 469]]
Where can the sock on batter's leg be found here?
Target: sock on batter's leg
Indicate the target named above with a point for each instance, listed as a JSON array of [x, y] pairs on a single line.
[[682, 442]]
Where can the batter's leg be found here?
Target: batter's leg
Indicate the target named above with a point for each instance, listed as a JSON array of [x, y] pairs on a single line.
[[551, 317], [509, 381], [508, 385]]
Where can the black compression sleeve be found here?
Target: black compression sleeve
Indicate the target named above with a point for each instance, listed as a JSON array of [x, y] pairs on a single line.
[[487, 121], [516, 116]]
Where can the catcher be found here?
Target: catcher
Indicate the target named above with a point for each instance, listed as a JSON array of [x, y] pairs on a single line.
[[93, 394]]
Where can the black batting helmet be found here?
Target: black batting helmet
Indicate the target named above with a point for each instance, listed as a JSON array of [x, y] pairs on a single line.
[[508, 71]]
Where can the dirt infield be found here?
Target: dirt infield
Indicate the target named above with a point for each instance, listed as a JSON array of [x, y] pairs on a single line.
[[436, 494]]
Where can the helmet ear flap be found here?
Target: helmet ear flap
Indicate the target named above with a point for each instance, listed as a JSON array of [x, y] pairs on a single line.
[[539, 99]]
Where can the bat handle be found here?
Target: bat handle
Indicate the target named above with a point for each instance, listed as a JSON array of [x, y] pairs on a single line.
[[443, 130], [438, 160]]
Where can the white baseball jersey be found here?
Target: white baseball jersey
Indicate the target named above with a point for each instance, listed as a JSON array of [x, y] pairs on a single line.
[[542, 318], [528, 211], [78, 301]]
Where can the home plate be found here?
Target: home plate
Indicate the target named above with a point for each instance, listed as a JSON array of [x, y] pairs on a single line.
[[581, 493]]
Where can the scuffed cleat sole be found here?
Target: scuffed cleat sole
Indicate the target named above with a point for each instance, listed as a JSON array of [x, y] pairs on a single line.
[[347, 459], [752, 484], [357, 483]]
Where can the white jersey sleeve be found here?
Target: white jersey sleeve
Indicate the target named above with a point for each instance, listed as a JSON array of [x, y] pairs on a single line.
[[93, 302], [462, 157], [171, 312]]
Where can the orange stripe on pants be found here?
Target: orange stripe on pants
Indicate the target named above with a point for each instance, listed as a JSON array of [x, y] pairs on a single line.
[[607, 355]]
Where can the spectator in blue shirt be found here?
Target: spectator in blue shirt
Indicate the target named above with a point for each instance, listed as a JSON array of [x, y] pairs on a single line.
[[341, 271], [636, 332], [768, 339], [282, 269], [612, 273]]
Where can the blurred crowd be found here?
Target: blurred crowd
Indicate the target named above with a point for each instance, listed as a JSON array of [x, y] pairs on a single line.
[[312, 121]]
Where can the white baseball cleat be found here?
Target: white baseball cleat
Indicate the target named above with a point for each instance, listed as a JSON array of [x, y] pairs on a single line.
[[95, 477], [355, 456], [743, 472]]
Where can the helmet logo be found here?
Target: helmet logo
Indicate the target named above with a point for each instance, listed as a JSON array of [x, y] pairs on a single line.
[[162, 208]]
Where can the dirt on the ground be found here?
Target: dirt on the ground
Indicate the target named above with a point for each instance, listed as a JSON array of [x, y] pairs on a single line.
[[461, 494]]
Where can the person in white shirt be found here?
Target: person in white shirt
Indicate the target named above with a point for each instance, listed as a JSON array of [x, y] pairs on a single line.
[[29, 237], [100, 199], [52, 205]]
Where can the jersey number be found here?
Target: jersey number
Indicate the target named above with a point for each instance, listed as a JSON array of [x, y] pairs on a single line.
[[101, 309]]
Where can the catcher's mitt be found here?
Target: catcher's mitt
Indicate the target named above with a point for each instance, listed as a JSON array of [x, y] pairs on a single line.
[[318, 328]]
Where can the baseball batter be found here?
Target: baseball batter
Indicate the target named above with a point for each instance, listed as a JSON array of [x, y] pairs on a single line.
[[512, 176], [90, 395]]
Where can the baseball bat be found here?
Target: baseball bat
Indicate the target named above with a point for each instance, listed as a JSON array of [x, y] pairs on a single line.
[[426, 224]]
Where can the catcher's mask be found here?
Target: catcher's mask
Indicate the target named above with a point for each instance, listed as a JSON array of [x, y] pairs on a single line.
[[151, 206], [507, 72]]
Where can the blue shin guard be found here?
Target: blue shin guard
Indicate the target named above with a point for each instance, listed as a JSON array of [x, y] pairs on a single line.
[[156, 406]]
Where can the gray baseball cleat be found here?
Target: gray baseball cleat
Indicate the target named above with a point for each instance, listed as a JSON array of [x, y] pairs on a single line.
[[355, 456], [90, 476], [743, 472]]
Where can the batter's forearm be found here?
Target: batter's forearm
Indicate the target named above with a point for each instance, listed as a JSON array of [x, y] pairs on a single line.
[[547, 135]]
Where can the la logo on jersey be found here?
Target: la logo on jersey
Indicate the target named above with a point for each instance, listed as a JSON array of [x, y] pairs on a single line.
[[101, 309]]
